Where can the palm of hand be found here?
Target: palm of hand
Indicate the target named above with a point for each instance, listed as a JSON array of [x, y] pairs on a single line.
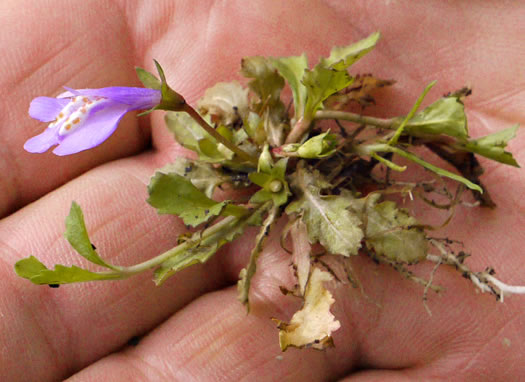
[[62, 331]]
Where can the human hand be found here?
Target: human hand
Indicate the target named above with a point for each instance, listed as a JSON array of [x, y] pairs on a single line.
[[197, 329]]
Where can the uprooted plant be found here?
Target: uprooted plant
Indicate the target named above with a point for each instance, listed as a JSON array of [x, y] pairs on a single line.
[[330, 171]]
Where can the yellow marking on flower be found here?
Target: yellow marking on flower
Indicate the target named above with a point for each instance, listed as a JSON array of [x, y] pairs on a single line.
[[75, 113]]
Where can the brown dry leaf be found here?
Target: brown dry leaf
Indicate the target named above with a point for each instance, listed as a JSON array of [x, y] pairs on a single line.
[[301, 254], [313, 325], [359, 91]]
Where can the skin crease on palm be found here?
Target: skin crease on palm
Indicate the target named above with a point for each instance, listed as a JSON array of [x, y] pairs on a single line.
[[196, 329]]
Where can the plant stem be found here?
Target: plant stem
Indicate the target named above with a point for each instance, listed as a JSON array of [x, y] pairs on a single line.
[[125, 272], [299, 129], [352, 117], [249, 271], [210, 130]]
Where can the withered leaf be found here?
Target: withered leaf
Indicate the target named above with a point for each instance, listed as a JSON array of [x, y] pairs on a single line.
[[312, 326]]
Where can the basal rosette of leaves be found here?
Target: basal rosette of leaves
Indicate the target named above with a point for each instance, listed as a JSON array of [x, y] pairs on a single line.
[[325, 179]]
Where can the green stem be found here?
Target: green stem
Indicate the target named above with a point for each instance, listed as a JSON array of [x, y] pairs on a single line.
[[299, 129], [210, 130], [382, 147], [124, 272], [388, 163], [399, 131], [352, 117]]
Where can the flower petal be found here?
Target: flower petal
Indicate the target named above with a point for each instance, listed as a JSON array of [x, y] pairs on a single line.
[[97, 128], [137, 98], [42, 142], [46, 109], [68, 93]]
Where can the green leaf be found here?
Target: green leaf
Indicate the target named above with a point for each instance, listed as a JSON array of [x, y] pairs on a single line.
[[445, 116], [267, 84], [327, 217], [192, 136], [213, 152], [391, 232], [225, 101], [202, 246], [246, 274], [174, 194], [435, 169], [76, 234], [266, 81], [32, 269], [187, 132], [265, 163], [273, 182], [148, 80], [320, 146], [342, 57], [493, 146], [202, 175], [196, 255], [254, 127], [320, 84], [292, 69], [170, 99]]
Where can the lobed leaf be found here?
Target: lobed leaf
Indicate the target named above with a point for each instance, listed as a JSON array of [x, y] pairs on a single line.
[[342, 57], [393, 233], [174, 194], [493, 146], [190, 134], [360, 91], [187, 132], [266, 81], [202, 175], [320, 84], [292, 69], [32, 269], [445, 116], [327, 217]]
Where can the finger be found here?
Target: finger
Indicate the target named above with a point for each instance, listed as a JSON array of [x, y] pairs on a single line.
[[383, 375], [387, 326], [213, 338], [62, 330], [49, 50], [217, 47]]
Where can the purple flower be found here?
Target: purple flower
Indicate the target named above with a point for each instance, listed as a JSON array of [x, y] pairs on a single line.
[[84, 118]]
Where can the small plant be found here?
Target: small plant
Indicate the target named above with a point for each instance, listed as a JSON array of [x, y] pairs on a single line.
[[333, 173]]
